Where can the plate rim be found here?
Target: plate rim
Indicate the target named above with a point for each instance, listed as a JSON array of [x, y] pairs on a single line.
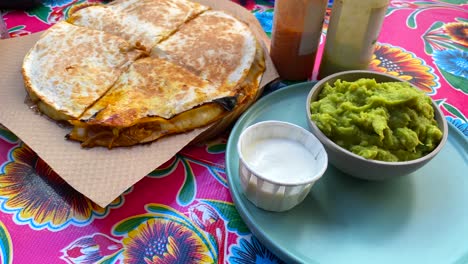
[[268, 242]]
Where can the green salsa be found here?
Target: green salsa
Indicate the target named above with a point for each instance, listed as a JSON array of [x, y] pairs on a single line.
[[382, 121]]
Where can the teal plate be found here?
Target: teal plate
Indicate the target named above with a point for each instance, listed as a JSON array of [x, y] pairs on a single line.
[[419, 218]]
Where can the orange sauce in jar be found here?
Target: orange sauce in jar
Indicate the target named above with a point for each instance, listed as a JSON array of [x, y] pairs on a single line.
[[289, 64], [297, 27]]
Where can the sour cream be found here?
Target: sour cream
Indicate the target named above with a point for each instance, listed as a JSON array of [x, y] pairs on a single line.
[[280, 160]]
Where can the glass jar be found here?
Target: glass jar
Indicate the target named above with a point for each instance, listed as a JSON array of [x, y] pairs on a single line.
[[351, 36], [297, 27]]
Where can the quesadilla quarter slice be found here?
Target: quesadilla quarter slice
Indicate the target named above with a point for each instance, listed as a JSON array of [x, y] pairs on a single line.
[[70, 67], [152, 99], [215, 46], [141, 22]]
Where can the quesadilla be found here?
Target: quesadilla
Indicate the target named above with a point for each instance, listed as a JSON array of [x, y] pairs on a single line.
[[204, 69], [153, 98], [70, 67], [141, 22]]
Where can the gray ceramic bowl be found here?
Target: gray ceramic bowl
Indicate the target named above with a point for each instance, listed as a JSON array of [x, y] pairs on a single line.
[[356, 165]]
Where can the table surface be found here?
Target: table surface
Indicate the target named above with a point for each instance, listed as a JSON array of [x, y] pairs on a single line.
[[183, 210]]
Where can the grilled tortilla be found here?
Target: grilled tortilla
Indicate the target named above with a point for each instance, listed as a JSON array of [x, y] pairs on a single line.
[[153, 98], [215, 46], [141, 22], [70, 67]]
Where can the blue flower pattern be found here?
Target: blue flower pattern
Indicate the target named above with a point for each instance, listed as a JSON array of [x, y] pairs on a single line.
[[56, 2], [452, 61], [266, 20], [459, 124], [252, 252]]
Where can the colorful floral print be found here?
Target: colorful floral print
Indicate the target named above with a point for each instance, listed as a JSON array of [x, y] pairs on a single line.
[[182, 211], [460, 124], [91, 249], [251, 251], [458, 31], [163, 241], [405, 65], [35, 194]]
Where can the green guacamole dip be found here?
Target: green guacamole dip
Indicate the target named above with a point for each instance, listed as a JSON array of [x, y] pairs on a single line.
[[381, 121]]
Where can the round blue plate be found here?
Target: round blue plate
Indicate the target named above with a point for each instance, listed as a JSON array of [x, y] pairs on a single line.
[[419, 218]]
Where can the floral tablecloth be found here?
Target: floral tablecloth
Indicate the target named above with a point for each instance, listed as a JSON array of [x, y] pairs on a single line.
[[182, 212]]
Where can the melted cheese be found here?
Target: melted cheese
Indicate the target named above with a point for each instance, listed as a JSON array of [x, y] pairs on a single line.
[[146, 130]]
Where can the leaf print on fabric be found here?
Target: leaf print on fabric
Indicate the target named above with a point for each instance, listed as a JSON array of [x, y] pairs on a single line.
[[421, 6], [186, 193], [37, 196], [160, 209], [219, 175], [128, 225], [188, 190], [442, 36], [405, 65], [165, 169], [6, 246], [455, 2], [41, 12], [216, 146], [18, 31], [229, 212], [442, 103], [91, 249], [6, 135]]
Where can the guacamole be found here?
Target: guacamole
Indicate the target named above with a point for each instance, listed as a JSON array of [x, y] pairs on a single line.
[[382, 121]]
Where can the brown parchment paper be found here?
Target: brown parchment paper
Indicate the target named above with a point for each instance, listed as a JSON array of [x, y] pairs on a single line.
[[98, 173]]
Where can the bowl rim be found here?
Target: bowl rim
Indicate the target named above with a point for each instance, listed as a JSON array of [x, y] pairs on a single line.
[[316, 176], [328, 141]]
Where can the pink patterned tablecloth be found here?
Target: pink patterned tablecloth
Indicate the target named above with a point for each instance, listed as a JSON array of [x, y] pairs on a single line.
[[182, 212]]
